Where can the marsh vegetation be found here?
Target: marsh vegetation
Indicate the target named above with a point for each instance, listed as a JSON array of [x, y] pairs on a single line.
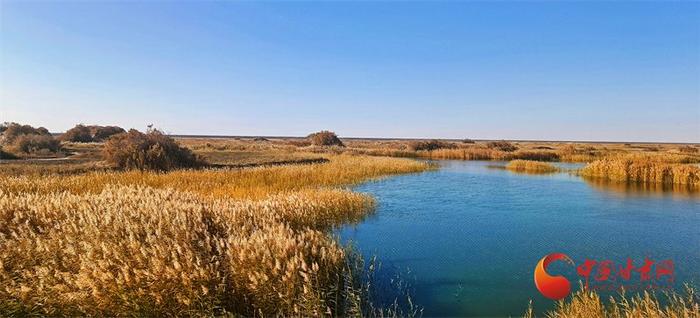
[[139, 223]]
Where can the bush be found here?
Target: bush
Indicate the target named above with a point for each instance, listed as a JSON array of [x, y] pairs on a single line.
[[10, 131], [430, 145], [94, 133], [25, 139], [467, 141], [502, 146], [102, 133], [36, 144], [79, 133], [325, 138], [150, 151]]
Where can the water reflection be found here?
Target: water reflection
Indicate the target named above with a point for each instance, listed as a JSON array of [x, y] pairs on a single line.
[[655, 190]]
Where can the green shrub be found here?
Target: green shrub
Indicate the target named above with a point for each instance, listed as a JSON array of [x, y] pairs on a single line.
[[325, 138], [430, 145], [150, 151]]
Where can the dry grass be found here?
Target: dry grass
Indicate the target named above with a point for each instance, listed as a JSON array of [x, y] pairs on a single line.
[[531, 166], [184, 243], [644, 169], [587, 304], [227, 183]]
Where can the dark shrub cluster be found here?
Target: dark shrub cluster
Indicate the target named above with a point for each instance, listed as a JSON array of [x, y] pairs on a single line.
[[468, 141], [502, 146], [430, 145], [6, 155], [19, 139], [325, 138], [94, 133], [148, 151]]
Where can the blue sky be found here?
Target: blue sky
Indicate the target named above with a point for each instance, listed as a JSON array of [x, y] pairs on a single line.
[[525, 70]]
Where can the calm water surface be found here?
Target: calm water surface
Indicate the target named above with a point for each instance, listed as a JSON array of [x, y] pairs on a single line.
[[468, 235]]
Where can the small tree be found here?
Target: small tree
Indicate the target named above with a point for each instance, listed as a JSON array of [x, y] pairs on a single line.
[[325, 138], [150, 151]]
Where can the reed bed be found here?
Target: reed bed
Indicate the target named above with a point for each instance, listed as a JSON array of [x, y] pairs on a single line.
[[644, 169], [478, 153], [588, 304], [251, 242], [227, 183], [531, 166]]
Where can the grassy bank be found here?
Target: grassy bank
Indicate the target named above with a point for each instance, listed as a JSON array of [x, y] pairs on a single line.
[[251, 242], [644, 169]]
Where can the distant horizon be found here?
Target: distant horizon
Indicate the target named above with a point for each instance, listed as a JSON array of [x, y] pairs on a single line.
[[574, 71]]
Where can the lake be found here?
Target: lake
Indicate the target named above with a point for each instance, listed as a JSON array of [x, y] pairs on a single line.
[[468, 235]]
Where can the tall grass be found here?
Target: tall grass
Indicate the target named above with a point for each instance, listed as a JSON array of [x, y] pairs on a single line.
[[589, 305], [184, 242], [531, 166], [481, 153], [228, 183], [643, 169]]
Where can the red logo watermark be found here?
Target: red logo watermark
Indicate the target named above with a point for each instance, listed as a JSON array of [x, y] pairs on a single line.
[[604, 275]]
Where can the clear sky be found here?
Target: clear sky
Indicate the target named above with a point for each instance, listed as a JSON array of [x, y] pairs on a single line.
[[525, 70]]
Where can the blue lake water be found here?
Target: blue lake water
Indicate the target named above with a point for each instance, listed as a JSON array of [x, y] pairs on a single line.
[[468, 236]]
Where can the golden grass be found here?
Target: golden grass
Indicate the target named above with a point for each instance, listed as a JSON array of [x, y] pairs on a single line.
[[587, 304], [250, 242], [644, 169], [480, 153], [531, 166], [227, 183]]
